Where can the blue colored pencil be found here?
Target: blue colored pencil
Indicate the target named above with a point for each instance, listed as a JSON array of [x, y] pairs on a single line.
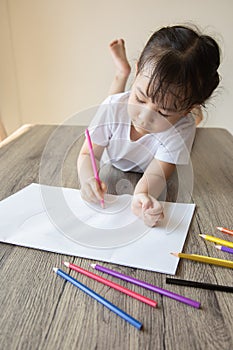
[[99, 298], [224, 249]]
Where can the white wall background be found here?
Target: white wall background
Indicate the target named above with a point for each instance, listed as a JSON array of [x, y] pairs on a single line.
[[55, 61]]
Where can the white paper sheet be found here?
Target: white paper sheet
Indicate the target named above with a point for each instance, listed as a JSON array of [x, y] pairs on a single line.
[[58, 220]]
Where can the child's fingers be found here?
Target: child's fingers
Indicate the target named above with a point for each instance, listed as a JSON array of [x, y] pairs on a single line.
[[89, 195], [103, 186], [92, 191], [146, 203], [157, 216], [97, 189], [151, 217], [154, 211], [150, 220]]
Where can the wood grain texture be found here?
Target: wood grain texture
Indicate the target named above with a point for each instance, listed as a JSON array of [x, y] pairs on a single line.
[[39, 310]]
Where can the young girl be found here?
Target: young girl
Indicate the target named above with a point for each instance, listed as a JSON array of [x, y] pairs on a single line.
[[150, 129]]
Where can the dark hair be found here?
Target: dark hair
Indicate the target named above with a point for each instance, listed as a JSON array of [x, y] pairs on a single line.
[[183, 63]]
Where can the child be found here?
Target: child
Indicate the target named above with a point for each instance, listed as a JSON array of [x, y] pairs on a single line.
[[150, 129]]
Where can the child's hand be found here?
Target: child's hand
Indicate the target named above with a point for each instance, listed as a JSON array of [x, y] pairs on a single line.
[[92, 191], [147, 208]]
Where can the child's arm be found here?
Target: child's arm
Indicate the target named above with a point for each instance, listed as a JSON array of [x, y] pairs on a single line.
[[91, 191], [149, 187]]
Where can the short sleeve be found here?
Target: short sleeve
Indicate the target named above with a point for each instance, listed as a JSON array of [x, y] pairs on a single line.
[[176, 144], [100, 126]]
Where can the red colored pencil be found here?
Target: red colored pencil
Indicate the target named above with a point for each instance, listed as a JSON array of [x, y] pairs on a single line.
[[225, 230], [111, 284]]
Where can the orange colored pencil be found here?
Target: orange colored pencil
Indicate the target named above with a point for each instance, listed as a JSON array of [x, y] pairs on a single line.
[[225, 230]]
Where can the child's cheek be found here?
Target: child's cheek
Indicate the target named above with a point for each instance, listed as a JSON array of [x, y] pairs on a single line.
[[133, 110]]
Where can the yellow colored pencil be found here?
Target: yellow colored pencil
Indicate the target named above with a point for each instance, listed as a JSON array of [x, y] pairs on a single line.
[[205, 259], [217, 240]]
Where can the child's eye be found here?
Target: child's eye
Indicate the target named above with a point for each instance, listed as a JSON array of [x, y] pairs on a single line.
[[164, 115], [138, 99]]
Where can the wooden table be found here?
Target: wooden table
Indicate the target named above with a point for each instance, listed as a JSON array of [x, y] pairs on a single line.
[[41, 311]]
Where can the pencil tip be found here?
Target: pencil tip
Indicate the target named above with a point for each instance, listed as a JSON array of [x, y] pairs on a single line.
[[219, 228], [218, 247], [67, 264], [55, 269], [93, 265], [175, 254]]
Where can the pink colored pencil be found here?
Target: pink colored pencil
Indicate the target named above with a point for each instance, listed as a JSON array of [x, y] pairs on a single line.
[[111, 284], [93, 161], [225, 230]]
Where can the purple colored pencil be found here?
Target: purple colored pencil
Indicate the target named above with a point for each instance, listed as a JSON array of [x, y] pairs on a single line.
[[224, 249], [149, 286]]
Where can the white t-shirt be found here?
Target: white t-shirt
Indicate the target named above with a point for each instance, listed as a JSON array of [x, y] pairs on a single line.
[[111, 127]]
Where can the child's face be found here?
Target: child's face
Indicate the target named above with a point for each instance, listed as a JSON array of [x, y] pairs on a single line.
[[148, 117]]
